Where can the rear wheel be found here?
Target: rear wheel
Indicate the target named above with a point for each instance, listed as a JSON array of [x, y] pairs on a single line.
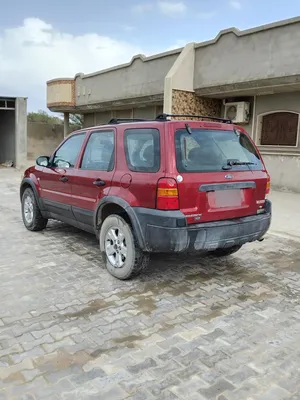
[[31, 214], [121, 254], [225, 252]]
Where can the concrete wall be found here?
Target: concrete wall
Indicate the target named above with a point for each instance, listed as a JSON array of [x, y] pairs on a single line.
[[7, 136], [142, 77], [102, 118], [180, 76], [284, 171], [89, 120], [283, 163], [42, 139], [241, 56], [21, 132]]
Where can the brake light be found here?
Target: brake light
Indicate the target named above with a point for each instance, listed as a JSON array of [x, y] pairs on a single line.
[[268, 187], [167, 194]]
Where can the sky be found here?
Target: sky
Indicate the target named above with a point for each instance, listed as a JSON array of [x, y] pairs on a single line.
[[42, 40]]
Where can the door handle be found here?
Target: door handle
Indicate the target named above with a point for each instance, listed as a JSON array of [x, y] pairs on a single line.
[[99, 182], [64, 178]]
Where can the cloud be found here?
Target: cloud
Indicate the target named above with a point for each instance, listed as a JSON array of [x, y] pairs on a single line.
[[142, 8], [128, 28], [206, 15], [235, 4], [171, 8], [167, 7], [35, 52]]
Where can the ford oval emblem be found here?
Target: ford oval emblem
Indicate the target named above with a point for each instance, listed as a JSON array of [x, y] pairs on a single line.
[[228, 176]]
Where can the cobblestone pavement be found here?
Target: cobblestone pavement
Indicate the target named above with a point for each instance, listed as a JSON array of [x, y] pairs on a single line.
[[189, 328]]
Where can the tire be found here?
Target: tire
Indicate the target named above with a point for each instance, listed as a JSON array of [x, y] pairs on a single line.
[[225, 252], [120, 252], [31, 214]]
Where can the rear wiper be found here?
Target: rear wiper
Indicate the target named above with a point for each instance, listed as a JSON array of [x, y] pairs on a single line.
[[188, 129], [240, 163], [236, 162]]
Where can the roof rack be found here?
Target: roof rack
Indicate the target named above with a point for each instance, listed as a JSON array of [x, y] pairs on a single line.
[[120, 120], [164, 117]]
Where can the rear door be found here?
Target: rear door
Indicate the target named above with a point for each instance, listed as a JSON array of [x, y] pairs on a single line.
[[222, 174], [92, 179], [140, 162]]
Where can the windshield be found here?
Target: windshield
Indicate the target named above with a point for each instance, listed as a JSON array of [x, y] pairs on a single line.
[[215, 150]]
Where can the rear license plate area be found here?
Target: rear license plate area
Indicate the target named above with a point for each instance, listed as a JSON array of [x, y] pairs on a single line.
[[225, 198]]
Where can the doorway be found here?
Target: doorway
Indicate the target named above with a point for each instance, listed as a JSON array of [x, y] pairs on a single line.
[[7, 131]]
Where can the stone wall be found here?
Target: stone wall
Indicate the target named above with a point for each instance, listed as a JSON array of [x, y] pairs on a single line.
[[188, 103], [42, 139]]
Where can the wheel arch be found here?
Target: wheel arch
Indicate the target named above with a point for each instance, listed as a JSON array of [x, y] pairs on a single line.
[[28, 183], [114, 205]]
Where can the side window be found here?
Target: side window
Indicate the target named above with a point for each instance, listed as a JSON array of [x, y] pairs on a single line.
[[69, 151], [142, 149], [99, 152]]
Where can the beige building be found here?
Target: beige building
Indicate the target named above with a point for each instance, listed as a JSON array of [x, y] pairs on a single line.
[[252, 76]]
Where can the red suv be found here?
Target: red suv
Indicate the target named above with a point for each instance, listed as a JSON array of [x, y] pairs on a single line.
[[147, 186]]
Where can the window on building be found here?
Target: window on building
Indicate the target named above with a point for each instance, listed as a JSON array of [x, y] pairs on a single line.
[[279, 129], [99, 152], [142, 148], [69, 151]]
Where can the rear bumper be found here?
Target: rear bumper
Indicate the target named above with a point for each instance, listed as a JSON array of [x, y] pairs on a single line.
[[166, 231]]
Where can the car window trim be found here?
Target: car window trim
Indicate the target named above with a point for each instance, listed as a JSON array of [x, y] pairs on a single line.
[[63, 142], [84, 145], [126, 149]]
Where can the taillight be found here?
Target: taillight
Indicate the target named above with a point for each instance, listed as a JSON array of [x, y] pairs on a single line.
[[167, 194], [268, 187]]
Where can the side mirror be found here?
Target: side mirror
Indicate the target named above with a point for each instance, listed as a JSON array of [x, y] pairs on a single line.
[[43, 161]]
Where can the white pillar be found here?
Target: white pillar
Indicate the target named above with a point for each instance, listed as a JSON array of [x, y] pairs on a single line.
[[66, 124]]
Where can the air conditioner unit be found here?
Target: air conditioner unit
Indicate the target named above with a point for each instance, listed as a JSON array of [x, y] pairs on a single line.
[[238, 112]]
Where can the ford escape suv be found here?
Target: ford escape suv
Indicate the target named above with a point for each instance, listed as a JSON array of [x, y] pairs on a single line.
[[166, 185]]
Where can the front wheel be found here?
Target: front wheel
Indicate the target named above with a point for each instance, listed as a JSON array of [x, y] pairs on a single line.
[[225, 252], [31, 214], [121, 254]]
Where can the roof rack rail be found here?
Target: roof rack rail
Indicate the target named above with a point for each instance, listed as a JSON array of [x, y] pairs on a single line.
[[120, 120], [164, 117]]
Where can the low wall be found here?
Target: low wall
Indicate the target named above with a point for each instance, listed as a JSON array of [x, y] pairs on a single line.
[[284, 171], [43, 138]]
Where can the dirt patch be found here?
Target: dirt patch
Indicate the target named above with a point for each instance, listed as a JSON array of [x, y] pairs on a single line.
[[93, 307]]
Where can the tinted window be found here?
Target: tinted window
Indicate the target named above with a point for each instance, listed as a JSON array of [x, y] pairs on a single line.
[[69, 151], [142, 148], [99, 152], [212, 150]]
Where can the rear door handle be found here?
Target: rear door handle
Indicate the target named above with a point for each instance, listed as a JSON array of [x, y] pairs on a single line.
[[99, 182], [64, 179]]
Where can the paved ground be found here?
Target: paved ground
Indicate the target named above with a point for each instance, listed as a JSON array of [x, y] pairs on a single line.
[[187, 329], [286, 211]]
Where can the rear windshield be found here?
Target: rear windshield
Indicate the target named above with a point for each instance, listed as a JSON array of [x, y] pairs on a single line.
[[215, 150]]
